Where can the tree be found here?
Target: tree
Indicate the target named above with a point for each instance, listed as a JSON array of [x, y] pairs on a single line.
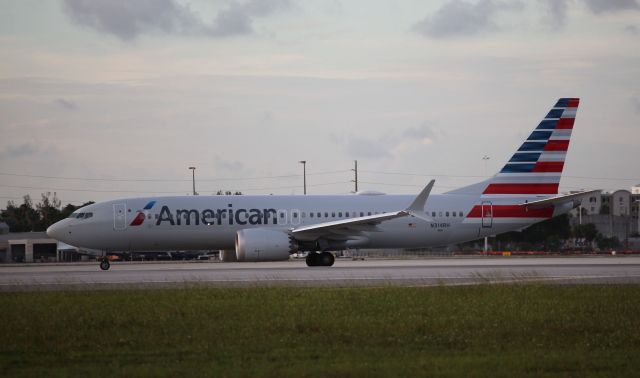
[[588, 231], [546, 235], [608, 243], [21, 218], [49, 209], [26, 217]]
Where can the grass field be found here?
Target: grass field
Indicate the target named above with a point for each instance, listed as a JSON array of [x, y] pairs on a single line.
[[486, 330]]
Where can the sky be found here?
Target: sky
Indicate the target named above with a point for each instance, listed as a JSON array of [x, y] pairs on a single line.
[[109, 99]]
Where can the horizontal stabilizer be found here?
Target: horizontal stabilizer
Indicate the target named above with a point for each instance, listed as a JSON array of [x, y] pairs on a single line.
[[558, 200]]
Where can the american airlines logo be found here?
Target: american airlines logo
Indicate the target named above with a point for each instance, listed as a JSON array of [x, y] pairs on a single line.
[[141, 216], [229, 216]]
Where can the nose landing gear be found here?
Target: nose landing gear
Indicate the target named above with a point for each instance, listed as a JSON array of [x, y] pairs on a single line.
[[104, 263], [320, 259]]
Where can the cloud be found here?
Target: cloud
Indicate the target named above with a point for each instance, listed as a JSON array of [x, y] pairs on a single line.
[[605, 6], [390, 144], [26, 149], [66, 104], [367, 147], [460, 18], [422, 133], [128, 20], [227, 165], [556, 13]]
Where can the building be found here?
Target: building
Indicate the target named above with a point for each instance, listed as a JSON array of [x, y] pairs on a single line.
[[30, 247], [613, 214]]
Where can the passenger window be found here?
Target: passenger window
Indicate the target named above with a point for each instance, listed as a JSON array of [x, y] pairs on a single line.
[[340, 214], [326, 215], [282, 215], [461, 214], [440, 214], [346, 214], [433, 213], [447, 214], [310, 215], [333, 215], [454, 214], [362, 214], [369, 213]]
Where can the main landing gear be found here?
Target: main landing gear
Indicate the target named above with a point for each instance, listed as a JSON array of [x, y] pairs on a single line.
[[104, 263], [320, 259]]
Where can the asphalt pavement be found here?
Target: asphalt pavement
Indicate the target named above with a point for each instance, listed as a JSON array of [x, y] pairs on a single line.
[[345, 272]]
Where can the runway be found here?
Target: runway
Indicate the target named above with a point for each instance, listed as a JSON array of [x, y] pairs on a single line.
[[424, 272]]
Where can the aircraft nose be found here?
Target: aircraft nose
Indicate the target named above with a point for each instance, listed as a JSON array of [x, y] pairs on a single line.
[[55, 231]]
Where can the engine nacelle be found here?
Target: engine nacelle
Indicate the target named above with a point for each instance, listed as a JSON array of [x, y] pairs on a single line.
[[258, 244], [228, 255]]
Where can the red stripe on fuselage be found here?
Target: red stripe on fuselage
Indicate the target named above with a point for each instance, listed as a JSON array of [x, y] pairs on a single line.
[[522, 189], [573, 103], [548, 166], [511, 211], [557, 145]]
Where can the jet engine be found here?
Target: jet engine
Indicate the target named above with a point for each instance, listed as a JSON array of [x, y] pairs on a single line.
[[258, 244], [228, 255]]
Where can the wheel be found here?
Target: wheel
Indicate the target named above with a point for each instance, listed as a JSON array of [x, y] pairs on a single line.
[[320, 259], [327, 259], [312, 259], [105, 264]]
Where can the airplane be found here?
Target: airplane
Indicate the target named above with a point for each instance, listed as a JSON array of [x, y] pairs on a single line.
[[271, 228]]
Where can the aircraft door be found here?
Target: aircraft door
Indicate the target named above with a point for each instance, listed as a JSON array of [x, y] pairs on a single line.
[[282, 217], [295, 217], [119, 216], [487, 214]]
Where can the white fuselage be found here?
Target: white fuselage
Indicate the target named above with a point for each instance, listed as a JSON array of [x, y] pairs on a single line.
[[211, 222]]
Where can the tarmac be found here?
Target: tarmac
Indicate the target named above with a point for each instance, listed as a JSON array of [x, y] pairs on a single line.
[[345, 273]]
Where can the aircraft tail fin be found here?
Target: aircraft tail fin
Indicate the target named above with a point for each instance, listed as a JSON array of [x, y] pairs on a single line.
[[536, 167]]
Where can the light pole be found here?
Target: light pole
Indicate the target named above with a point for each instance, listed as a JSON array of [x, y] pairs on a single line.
[[355, 170], [193, 175], [304, 174], [485, 158]]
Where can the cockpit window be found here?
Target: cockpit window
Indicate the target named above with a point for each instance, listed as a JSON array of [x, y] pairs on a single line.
[[81, 215]]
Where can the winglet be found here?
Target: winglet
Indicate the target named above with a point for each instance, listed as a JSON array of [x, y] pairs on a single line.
[[417, 206]]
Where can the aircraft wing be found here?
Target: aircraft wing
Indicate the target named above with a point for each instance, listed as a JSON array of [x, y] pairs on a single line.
[[558, 200], [354, 227]]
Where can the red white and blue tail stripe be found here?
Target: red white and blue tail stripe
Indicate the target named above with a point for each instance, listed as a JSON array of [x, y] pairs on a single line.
[[535, 168]]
